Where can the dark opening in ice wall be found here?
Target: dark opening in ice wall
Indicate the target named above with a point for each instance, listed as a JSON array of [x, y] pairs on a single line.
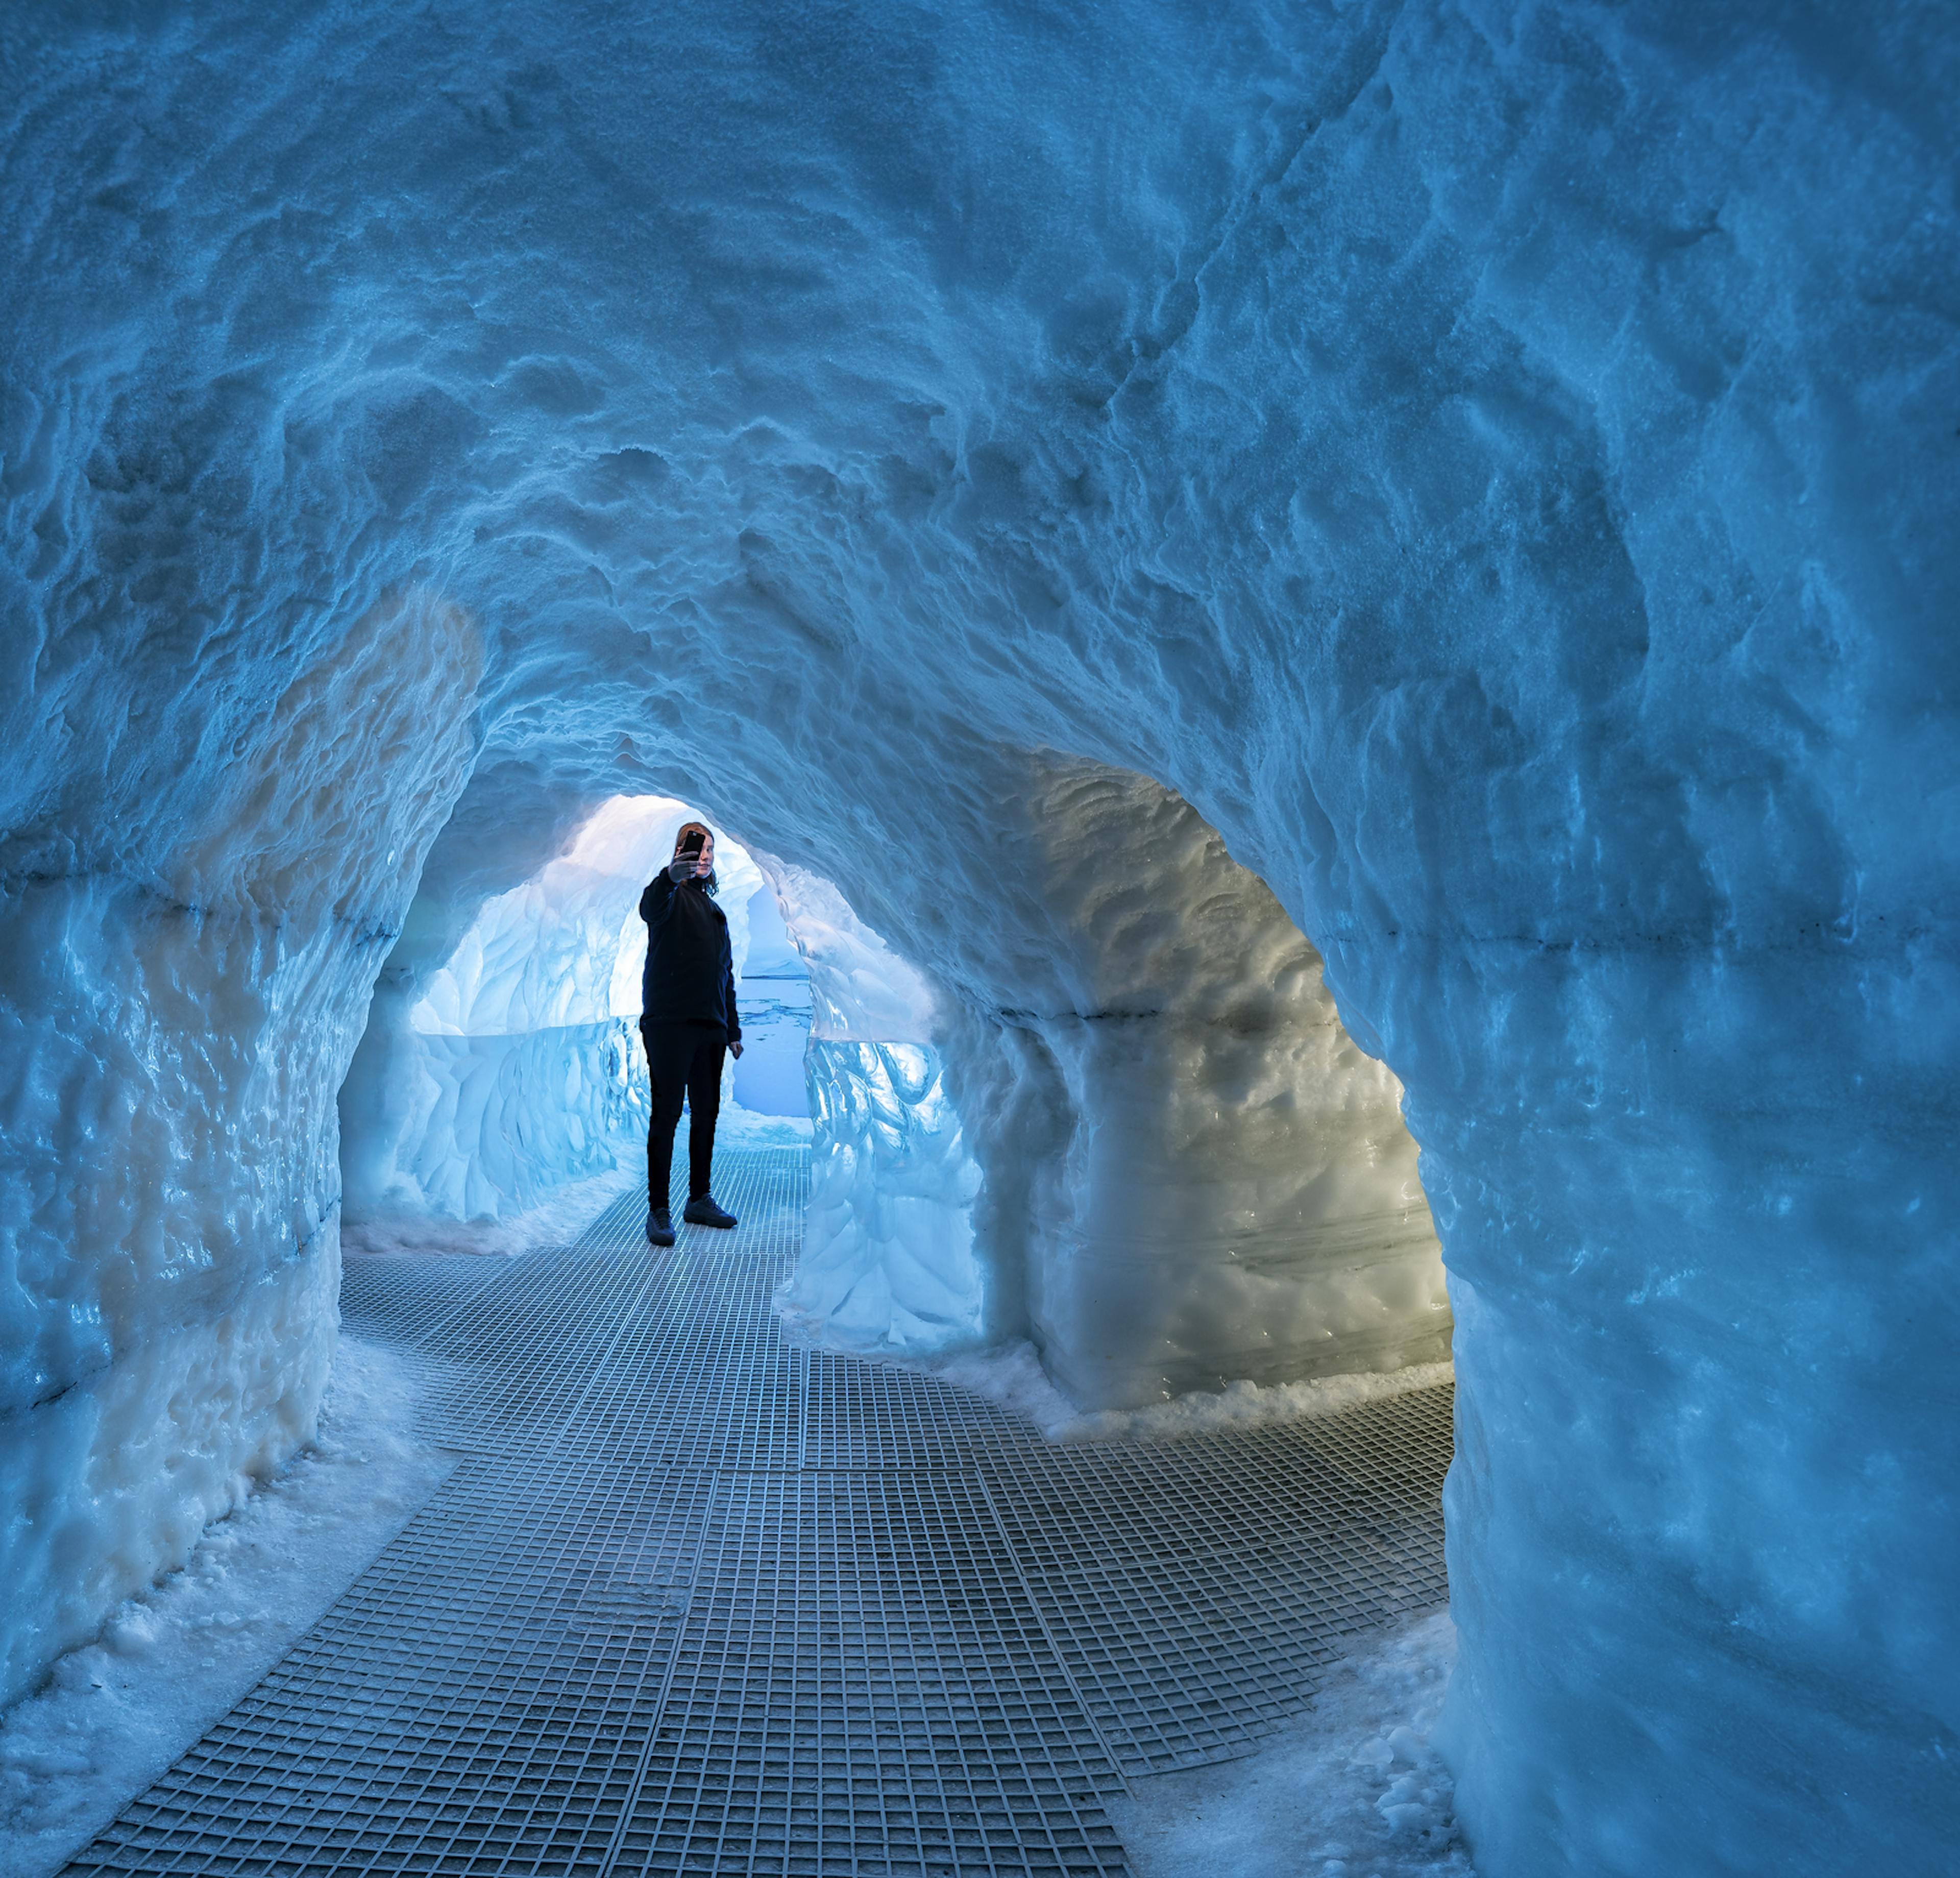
[[1497, 465]]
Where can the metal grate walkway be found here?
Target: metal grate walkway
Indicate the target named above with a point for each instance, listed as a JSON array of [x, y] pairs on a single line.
[[698, 1602]]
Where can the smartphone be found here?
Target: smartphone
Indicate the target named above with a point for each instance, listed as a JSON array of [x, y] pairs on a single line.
[[692, 845]]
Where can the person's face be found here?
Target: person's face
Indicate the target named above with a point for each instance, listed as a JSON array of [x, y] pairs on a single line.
[[705, 861]]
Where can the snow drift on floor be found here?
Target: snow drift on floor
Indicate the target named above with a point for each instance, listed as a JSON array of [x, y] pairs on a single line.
[[113, 1715], [555, 1221], [1350, 1790], [1012, 1378], [571, 1208]]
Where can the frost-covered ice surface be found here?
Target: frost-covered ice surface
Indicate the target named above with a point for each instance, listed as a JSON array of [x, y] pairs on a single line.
[[178, 1006], [889, 1263], [1489, 471], [1012, 1377], [1352, 1789], [1203, 1177], [114, 1712]]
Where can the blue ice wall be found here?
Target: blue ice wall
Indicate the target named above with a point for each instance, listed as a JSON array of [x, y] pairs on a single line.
[[1497, 463]]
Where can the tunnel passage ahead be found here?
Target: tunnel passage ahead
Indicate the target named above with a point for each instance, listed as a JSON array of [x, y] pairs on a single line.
[[697, 1600]]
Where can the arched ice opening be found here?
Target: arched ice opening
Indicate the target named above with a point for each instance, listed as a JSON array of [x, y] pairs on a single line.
[[1157, 1155], [1497, 472]]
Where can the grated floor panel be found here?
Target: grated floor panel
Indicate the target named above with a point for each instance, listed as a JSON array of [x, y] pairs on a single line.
[[698, 1602]]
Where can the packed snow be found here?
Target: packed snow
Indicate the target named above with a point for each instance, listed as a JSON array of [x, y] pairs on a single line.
[[1353, 1789], [1483, 478], [557, 1220], [115, 1712], [1012, 1377]]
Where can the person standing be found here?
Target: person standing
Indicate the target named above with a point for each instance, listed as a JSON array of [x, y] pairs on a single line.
[[688, 1020]]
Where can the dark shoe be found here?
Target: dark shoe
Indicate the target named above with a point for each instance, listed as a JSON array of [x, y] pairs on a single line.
[[659, 1226], [701, 1210]]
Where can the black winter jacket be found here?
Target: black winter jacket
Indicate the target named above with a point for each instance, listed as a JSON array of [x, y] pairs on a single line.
[[690, 970]]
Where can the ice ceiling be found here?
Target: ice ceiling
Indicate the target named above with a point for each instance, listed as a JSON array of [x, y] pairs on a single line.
[[1494, 465]]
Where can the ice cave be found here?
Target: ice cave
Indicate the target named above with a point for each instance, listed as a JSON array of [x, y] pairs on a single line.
[[1320, 642]]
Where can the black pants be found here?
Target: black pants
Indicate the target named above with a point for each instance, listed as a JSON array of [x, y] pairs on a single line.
[[682, 1059]]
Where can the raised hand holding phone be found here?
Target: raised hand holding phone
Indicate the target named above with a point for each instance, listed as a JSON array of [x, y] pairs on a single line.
[[688, 861]]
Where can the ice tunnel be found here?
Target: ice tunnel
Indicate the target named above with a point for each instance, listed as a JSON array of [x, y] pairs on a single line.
[[1259, 590]]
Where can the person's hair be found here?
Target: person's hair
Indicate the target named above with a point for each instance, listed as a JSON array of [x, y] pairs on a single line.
[[708, 879]]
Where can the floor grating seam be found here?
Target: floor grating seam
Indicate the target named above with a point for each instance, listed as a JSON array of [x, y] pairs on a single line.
[[696, 1600]]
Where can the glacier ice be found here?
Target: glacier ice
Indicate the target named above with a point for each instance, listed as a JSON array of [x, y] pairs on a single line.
[[889, 1264], [1495, 466], [1205, 1177], [170, 1663], [182, 982]]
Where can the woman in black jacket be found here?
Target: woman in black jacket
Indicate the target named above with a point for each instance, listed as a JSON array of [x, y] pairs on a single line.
[[688, 1020]]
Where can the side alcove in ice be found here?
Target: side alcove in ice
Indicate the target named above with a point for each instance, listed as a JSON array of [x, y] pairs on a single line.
[[1131, 1126], [496, 1070], [1197, 1174]]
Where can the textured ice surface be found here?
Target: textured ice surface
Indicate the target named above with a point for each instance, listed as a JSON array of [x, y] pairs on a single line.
[[115, 1712], [888, 1262], [862, 992], [1352, 1789], [1173, 1167], [1204, 1178], [1012, 1375], [184, 958], [1496, 465]]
